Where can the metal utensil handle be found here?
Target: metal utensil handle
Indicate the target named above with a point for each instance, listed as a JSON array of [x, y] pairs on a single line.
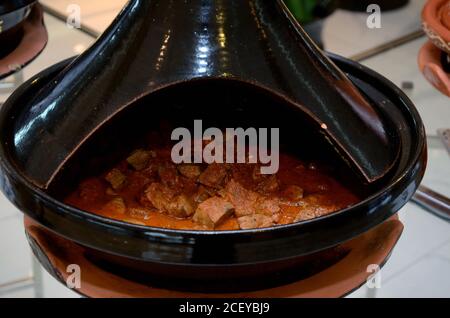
[[433, 202]]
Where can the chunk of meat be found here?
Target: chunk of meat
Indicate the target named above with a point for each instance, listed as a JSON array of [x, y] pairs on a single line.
[[190, 171], [213, 176], [168, 174], [268, 184], [293, 193], [212, 212], [202, 194], [116, 178], [243, 173], [247, 202], [116, 206], [159, 195], [182, 207], [314, 207], [140, 159], [165, 200], [137, 181], [255, 221], [311, 211], [242, 199], [267, 206]]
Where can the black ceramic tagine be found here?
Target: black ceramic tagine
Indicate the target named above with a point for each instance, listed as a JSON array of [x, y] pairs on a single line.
[[237, 62], [158, 43], [7, 6], [12, 16], [214, 259]]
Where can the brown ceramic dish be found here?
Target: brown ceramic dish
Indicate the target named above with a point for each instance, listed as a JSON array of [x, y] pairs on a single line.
[[434, 56], [346, 269], [12, 17], [436, 23], [430, 64], [31, 42]]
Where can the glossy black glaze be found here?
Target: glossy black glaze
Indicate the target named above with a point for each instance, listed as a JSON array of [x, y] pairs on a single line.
[[7, 6], [11, 19], [153, 44], [180, 248]]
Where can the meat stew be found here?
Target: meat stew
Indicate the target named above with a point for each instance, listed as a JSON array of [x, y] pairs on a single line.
[[148, 189]]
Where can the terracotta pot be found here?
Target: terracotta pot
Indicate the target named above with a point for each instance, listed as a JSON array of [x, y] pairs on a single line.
[[26, 42], [12, 17], [430, 63], [436, 23], [351, 265]]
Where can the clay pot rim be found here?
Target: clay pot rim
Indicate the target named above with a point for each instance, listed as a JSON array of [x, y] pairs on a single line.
[[429, 59], [431, 20]]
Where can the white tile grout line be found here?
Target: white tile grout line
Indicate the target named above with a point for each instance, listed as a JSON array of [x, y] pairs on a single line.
[[388, 46], [24, 282], [415, 261], [446, 257], [442, 257]]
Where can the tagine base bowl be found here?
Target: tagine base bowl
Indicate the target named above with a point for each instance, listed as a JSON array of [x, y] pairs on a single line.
[[338, 280]]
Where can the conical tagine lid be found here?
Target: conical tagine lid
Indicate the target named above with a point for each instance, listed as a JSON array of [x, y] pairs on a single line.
[[156, 43]]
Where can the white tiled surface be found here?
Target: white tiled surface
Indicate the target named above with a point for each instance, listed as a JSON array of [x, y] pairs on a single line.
[[27, 292], [427, 278], [346, 33], [400, 65], [54, 289], [420, 263], [15, 258], [444, 251], [6, 208], [96, 15]]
